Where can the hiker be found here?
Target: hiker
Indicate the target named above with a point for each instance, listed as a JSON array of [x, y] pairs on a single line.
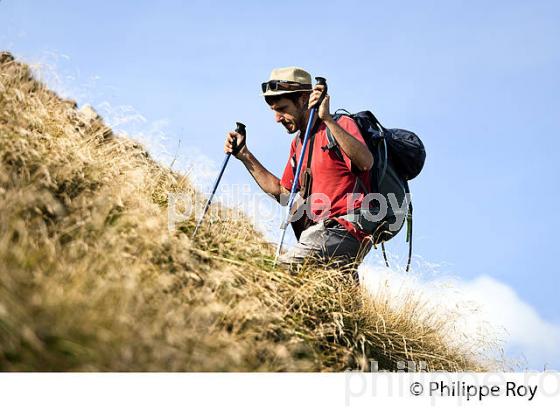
[[324, 235]]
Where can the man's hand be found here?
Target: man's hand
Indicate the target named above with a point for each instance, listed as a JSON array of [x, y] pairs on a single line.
[[228, 146], [324, 109]]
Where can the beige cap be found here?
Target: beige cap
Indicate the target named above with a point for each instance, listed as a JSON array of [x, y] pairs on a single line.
[[292, 76]]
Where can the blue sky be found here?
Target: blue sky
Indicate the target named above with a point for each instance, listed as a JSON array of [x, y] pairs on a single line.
[[478, 81]]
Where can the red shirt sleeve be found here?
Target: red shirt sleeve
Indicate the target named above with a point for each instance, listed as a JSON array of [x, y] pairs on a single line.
[[350, 126], [288, 177]]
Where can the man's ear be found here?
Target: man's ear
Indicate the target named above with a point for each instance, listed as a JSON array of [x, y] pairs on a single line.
[[303, 100]]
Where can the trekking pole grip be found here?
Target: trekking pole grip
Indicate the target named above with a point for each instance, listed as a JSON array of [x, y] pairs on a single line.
[[321, 81], [241, 130]]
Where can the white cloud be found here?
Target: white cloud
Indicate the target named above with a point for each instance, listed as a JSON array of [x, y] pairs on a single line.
[[527, 331], [482, 307]]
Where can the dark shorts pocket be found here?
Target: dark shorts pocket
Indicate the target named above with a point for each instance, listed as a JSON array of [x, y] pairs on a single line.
[[340, 242]]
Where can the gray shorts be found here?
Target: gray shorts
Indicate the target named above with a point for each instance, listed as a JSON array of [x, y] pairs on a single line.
[[330, 245]]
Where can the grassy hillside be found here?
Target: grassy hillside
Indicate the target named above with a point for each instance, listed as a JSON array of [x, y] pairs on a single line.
[[91, 278]]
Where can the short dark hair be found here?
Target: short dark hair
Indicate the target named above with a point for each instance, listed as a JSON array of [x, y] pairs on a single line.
[[293, 97]]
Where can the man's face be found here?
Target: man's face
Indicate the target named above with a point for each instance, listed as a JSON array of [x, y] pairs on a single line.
[[290, 114]]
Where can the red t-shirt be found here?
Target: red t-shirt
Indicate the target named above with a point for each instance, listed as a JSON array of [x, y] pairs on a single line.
[[332, 176]]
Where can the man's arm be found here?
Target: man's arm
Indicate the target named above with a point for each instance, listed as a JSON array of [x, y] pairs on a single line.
[[264, 178], [357, 152]]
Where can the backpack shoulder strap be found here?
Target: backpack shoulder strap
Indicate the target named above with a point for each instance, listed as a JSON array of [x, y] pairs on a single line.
[[333, 145], [331, 141], [305, 186]]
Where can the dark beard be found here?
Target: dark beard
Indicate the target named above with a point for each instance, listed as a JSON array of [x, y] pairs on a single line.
[[300, 123], [296, 129]]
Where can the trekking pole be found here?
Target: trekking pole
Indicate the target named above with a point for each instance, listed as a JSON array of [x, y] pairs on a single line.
[[320, 81], [236, 148]]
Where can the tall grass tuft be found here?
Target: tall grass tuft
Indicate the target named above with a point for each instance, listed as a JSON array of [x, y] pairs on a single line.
[[91, 279]]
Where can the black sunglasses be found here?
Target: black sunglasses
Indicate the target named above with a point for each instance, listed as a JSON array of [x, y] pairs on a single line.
[[283, 85]]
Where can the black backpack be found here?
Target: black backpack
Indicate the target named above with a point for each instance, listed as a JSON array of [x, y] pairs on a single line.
[[399, 156]]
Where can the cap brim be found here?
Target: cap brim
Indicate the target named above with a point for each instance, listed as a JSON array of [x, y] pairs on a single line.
[[269, 92]]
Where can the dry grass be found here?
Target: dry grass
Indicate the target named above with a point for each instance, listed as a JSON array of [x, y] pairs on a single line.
[[91, 279]]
